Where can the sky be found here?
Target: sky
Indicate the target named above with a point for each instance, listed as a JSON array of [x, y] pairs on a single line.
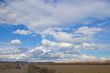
[[55, 30]]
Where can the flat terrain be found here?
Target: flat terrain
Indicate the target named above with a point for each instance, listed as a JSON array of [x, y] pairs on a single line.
[[11, 68], [77, 68], [82, 68], [23, 70], [6, 67]]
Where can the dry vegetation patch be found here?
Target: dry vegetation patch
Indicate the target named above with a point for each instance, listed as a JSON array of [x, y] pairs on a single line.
[[36, 69]]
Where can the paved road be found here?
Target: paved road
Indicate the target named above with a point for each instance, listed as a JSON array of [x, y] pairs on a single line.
[[24, 69]]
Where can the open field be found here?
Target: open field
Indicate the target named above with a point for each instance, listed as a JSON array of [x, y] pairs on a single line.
[[10, 67], [67, 68]]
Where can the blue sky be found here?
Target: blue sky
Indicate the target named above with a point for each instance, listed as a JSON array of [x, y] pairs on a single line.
[[55, 30]]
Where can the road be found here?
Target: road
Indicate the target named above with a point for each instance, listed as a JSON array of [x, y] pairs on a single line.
[[24, 69]]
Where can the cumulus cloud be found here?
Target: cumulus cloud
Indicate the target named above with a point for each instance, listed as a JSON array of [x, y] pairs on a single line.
[[81, 34], [41, 53], [12, 56], [15, 42], [55, 44], [82, 37], [57, 55], [90, 58], [58, 35], [88, 46], [8, 51], [55, 50], [88, 31], [48, 43], [104, 59], [51, 13], [22, 32], [87, 58]]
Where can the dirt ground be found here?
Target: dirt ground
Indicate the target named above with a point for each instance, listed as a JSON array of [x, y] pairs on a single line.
[[77, 68], [53, 68], [11, 68]]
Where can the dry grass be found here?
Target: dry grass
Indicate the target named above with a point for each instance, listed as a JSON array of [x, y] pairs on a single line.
[[36, 69], [5, 66], [77, 68], [57, 68]]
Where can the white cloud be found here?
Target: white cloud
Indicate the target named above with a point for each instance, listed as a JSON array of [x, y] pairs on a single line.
[[49, 43], [81, 38], [88, 46], [58, 35], [57, 55], [77, 47], [10, 53], [12, 56], [40, 50], [88, 31], [8, 50], [80, 35], [90, 58], [87, 58], [44, 14], [41, 53], [22, 32], [104, 59], [15, 42]]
